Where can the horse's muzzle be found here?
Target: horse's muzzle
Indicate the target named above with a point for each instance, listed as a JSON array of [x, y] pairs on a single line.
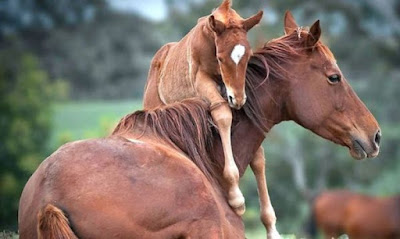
[[235, 102], [361, 149]]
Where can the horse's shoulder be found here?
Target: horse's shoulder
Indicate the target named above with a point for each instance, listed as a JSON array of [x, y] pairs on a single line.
[[179, 168]]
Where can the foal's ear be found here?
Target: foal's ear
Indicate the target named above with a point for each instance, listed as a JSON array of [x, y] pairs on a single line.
[[314, 34], [290, 23], [216, 25], [252, 21]]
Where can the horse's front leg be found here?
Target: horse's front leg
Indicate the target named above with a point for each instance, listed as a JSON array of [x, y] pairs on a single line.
[[268, 217], [222, 117]]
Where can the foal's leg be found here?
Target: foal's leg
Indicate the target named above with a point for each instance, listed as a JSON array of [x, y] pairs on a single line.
[[222, 116], [268, 217]]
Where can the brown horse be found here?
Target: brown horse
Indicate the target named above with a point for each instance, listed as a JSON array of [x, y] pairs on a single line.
[[142, 182], [124, 187], [333, 112], [215, 48], [359, 216]]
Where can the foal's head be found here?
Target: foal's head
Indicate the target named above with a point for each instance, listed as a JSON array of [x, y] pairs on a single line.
[[232, 49], [320, 97]]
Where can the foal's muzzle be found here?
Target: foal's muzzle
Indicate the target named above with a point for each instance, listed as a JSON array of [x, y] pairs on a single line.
[[235, 102]]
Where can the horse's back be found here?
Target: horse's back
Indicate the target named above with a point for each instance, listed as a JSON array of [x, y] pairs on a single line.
[[151, 98], [372, 217], [113, 188]]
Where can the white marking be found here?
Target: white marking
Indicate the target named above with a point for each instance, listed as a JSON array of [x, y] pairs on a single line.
[[135, 141], [237, 53]]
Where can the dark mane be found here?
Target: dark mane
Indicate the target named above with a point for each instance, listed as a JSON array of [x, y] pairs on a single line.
[[186, 126], [268, 65]]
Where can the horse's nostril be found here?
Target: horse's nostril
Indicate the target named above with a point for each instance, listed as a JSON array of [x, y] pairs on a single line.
[[378, 136], [230, 98]]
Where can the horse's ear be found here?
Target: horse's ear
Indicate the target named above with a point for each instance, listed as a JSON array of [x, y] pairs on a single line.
[[217, 26], [252, 21], [225, 6], [314, 34], [290, 23]]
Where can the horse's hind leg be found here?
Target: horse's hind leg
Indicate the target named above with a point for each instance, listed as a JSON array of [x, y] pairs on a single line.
[[268, 217], [53, 224]]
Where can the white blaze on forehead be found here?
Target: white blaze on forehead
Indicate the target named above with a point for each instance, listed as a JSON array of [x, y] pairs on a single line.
[[237, 53]]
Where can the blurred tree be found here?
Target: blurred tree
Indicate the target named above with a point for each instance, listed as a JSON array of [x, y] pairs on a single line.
[[107, 58], [25, 122], [38, 15], [103, 54]]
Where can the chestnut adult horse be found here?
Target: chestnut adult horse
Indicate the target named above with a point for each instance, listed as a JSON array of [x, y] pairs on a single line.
[[138, 183], [216, 48], [158, 175], [295, 66], [359, 216]]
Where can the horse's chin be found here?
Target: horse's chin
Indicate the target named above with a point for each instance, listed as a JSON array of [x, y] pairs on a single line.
[[357, 151]]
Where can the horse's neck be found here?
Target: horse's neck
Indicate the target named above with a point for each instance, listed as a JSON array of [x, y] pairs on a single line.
[[247, 137], [202, 48]]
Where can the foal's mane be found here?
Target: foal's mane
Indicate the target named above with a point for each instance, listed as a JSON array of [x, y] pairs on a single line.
[[186, 126], [267, 65]]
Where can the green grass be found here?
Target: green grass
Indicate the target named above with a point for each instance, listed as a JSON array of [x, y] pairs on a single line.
[[81, 120]]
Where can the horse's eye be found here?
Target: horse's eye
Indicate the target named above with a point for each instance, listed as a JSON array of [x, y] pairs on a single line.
[[220, 59], [333, 79]]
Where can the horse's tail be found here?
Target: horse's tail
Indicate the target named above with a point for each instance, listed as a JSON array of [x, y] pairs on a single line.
[[53, 224]]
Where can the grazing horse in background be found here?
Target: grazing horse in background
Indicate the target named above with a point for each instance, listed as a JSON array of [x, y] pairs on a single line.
[[359, 216], [282, 82], [216, 48], [329, 213], [158, 176]]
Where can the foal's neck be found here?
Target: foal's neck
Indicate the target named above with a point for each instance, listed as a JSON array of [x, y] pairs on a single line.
[[203, 49]]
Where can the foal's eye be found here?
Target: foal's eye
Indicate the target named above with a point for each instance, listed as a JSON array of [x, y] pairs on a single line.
[[333, 79]]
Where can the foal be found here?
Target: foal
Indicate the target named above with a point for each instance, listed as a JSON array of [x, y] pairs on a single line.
[[215, 49]]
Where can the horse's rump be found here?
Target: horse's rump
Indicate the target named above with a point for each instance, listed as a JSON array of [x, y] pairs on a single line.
[[111, 187]]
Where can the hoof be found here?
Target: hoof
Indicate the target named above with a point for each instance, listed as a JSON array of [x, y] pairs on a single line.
[[274, 235], [238, 205], [240, 210]]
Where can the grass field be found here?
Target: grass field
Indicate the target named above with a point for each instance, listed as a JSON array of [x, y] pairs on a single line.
[[81, 120]]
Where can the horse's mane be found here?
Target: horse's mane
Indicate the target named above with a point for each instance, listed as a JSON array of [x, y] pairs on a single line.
[[186, 126], [268, 65]]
